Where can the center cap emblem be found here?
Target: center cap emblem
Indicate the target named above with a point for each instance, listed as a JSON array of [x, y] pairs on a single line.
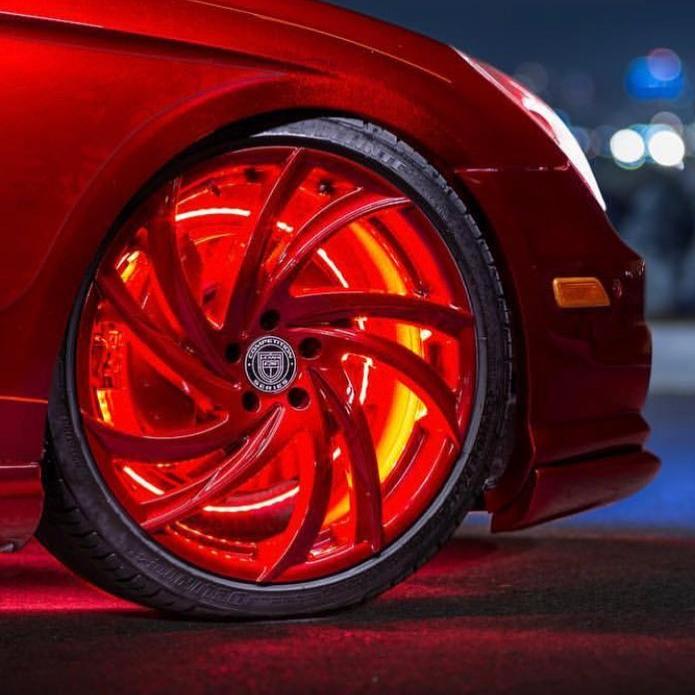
[[271, 364]]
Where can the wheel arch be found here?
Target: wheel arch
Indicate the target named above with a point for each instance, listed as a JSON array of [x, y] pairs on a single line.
[[38, 313]]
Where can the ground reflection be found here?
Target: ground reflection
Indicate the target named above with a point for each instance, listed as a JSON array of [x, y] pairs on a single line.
[[553, 605]]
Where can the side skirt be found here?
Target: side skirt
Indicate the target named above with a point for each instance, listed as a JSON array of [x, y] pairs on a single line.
[[21, 503]]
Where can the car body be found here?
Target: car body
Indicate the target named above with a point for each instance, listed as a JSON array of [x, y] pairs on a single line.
[[100, 97]]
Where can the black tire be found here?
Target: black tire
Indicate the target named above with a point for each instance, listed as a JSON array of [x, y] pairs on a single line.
[[86, 528]]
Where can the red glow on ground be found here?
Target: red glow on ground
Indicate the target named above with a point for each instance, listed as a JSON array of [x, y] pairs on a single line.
[[562, 611], [35, 582]]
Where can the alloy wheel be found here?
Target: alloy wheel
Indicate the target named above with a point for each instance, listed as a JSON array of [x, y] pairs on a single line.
[[276, 364]]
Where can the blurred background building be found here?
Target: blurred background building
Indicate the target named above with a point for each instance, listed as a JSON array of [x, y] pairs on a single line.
[[621, 73]]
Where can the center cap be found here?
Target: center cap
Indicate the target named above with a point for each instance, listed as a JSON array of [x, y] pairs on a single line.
[[270, 364]]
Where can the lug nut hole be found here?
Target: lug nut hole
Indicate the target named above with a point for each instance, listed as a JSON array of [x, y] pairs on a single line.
[[251, 402], [233, 352], [270, 320], [326, 187], [299, 399], [310, 348]]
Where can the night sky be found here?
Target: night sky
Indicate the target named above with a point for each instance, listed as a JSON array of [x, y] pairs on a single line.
[[596, 36]]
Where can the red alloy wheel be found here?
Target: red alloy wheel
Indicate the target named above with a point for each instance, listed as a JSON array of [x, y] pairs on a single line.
[[276, 364]]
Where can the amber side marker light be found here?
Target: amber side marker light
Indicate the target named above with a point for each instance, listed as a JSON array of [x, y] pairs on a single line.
[[580, 293]]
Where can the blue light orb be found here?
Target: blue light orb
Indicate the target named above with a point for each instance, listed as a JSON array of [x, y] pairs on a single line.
[[656, 77]]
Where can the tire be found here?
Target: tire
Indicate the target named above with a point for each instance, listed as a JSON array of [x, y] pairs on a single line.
[[87, 528]]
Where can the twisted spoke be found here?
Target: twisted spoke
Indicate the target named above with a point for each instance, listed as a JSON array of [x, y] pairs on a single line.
[[165, 257], [340, 398], [343, 212], [415, 373], [247, 280], [315, 481], [335, 306], [261, 445], [140, 447], [160, 345]]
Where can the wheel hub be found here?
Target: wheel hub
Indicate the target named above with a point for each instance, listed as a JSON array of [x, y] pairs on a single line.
[[270, 364]]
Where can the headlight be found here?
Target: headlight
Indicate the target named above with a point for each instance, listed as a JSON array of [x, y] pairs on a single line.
[[546, 117]]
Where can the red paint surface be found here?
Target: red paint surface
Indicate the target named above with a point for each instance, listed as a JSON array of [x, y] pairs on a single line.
[[99, 97]]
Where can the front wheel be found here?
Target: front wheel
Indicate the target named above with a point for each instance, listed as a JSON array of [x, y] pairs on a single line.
[[285, 380]]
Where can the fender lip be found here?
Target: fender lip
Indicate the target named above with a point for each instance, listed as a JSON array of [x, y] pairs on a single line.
[[21, 503]]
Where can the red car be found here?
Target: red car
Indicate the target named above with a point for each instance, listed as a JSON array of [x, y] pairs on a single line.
[[287, 292]]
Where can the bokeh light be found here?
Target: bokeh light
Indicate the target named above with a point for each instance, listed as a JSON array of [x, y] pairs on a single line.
[[533, 76], [666, 147], [628, 148], [656, 77], [667, 118], [664, 64]]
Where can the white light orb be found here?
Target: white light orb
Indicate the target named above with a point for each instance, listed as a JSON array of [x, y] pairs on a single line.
[[666, 147], [627, 147]]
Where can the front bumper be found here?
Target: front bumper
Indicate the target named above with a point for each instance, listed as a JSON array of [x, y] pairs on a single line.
[[583, 374], [571, 487]]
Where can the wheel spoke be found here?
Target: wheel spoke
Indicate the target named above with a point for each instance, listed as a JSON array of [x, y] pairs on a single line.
[[311, 505], [335, 306], [260, 446], [343, 212], [248, 278], [162, 346], [415, 373], [165, 257], [140, 447], [340, 398]]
